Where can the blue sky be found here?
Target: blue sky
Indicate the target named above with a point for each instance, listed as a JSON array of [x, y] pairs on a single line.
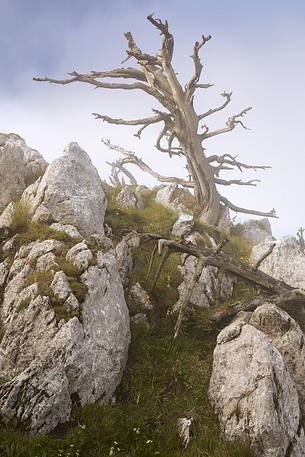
[[257, 50]]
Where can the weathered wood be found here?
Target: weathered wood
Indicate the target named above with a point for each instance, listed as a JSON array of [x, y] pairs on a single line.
[[181, 133]]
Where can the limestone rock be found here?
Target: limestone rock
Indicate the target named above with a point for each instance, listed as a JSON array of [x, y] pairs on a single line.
[[70, 192], [287, 261], [70, 230], [80, 256], [210, 281], [173, 197], [141, 189], [20, 166], [224, 222], [288, 338], [256, 231], [128, 198], [69, 349], [183, 225], [140, 296], [124, 255], [38, 398], [253, 393]]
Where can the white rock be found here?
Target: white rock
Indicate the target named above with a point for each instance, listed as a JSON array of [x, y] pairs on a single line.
[[46, 262], [140, 296], [70, 230], [204, 292], [124, 255], [80, 256], [81, 358], [128, 198], [287, 261], [38, 399], [173, 197], [141, 189], [4, 270], [288, 338], [183, 225], [70, 193], [252, 391], [256, 231], [60, 286], [20, 166]]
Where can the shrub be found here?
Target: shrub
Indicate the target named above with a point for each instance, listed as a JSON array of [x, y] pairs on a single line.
[[20, 217]]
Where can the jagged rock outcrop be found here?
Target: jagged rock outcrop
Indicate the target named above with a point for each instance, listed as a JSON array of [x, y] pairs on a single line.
[[125, 256], [211, 287], [173, 197], [63, 314], [129, 198], [286, 262], [138, 295], [20, 166], [289, 340], [183, 225], [254, 383], [256, 231], [70, 192]]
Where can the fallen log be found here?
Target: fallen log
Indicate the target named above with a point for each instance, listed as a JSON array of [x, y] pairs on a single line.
[[272, 290]]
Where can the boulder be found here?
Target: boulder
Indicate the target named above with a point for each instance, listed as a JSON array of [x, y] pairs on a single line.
[[173, 197], [210, 287], [74, 330], [256, 231], [287, 261], [70, 192], [124, 255], [20, 166], [140, 297], [253, 392], [129, 198], [141, 189], [288, 338], [224, 221], [183, 225]]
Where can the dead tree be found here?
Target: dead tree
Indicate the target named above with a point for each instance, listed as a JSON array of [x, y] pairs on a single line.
[[271, 290], [182, 133]]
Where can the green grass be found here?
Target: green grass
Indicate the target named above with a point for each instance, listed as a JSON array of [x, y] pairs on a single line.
[[20, 217], [152, 218]]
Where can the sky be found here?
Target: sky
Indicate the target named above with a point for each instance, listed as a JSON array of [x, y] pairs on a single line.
[[257, 51]]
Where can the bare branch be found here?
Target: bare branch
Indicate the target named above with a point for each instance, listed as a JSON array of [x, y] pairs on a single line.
[[116, 168], [131, 158], [231, 160], [233, 207], [204, 86], [168, 39], [183, 302], [231, 124], [88, 78], [263, 257], [227, 96], [191, 86], [238, 182], [135, 51], [144, 121]]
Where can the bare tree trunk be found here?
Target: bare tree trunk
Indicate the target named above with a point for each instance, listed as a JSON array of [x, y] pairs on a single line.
[[202, 173]]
